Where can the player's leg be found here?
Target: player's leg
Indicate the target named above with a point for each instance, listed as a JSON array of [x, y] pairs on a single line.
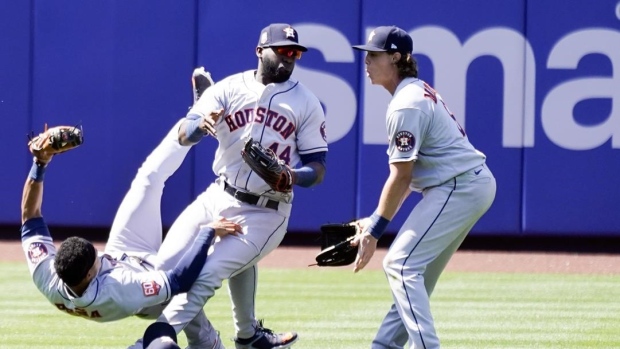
[[434, 226], [242, 292], [186, 312], [484, 192], [407, 285], [263, 228], [183, 231], [251, 333], [137, 225], [263, 233], [392, 333], [183, 311], [228, 255], [436, 267], [201, 334]]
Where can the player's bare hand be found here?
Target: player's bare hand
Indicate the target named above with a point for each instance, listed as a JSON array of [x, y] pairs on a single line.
[[361, 224], [208, 122], [225, 227], [367, 245]]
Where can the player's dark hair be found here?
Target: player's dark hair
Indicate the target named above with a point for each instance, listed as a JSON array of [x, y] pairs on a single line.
[[407, 66], [73, 260]]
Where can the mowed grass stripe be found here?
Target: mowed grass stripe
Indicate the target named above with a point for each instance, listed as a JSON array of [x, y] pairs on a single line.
[[334, 308]]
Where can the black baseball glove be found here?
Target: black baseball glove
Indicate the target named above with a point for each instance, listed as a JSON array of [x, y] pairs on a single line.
[[336, 249], [268, 166], [201, 80]]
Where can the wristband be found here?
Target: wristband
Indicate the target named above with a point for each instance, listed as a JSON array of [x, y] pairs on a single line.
[[378, 225], [193, 133], [37, 172]]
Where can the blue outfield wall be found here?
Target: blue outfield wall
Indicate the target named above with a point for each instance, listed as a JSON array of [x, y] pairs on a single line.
[[536, 95]]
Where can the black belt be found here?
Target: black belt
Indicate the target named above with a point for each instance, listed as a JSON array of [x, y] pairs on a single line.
[[249, 198]]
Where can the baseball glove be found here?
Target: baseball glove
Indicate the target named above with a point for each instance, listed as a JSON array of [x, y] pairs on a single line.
[[268, 166], [336, 249], [53, 141]]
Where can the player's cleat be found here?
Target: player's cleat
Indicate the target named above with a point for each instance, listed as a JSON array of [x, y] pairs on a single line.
[[264, 338], [201, 80]]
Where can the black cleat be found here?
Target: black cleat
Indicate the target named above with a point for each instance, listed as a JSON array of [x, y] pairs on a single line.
[[264, 338], [201, 80]]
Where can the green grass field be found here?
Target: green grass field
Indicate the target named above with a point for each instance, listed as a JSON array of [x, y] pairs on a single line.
[[336, 309]]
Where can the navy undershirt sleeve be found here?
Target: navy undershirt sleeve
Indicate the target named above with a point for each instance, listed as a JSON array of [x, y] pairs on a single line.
[[319, 157], [188, 268], [33, 227]]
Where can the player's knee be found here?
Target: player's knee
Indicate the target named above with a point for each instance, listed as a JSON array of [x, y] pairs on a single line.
[[394, 264], [148, 178], [210, 278], [390, 264]]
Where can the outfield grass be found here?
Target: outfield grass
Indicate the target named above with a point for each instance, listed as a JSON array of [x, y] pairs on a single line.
[[336, 309]]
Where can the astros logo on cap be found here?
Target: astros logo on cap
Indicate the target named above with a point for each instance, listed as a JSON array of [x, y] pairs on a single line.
[[290, 32]]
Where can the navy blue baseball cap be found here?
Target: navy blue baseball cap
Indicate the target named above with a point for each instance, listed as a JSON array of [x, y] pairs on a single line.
[[280, 34], [387, 39], [160, 335]]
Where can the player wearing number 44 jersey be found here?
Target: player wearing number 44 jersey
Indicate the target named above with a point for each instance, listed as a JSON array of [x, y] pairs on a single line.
[[282, 115], [428, 153]]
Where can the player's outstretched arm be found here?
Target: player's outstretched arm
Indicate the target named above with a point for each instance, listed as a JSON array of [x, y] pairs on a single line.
[[32, 196], [43, 147]]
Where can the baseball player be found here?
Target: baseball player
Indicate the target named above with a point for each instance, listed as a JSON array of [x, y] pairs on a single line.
[[123, 281], [428, 153], [282, 115]]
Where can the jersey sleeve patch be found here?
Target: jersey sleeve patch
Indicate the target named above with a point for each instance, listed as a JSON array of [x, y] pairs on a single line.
[[37, 251], [323, 131], [405, 141], [151, 288]]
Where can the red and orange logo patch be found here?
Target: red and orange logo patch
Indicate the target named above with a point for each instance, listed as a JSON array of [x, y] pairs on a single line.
[[150, 288]]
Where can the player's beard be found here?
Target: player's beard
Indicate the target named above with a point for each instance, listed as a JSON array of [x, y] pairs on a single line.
[[275, 71]]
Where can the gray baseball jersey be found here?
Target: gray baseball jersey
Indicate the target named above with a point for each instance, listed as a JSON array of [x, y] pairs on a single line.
[[121, 288], [422, 128], [285, 117]]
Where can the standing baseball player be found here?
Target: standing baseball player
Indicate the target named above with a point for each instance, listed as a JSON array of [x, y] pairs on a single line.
[[282, 115], [429, 153], [122, 282]]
